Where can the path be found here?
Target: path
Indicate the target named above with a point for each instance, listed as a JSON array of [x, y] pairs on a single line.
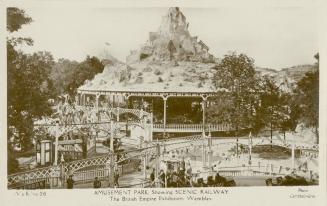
[[128, 179]]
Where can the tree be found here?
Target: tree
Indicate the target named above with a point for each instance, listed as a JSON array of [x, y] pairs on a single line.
[[292, 115], [62, 74], [29, 86], [69, 75], [307, 96], [274, 111], [16, 18], [235, 73]]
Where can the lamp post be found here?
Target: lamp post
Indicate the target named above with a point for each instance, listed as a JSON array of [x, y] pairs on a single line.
[[166, 165], [210, 150], [56, 144], [157, 163], [62, 171], [112, 131], [250, 149]]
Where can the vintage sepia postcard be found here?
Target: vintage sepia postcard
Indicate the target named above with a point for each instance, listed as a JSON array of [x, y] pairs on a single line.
[[150, 102]]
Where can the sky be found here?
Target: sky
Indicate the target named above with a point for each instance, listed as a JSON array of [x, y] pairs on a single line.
[[275, 37]]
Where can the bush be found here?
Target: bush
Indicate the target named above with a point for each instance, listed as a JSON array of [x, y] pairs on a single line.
[[160, 79], [147, 69], [143, 56], [157, 72], [139, 80]]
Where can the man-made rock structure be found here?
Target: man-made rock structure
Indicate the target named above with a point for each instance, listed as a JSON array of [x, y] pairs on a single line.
[[171, 64], [170, 61], [172, 42]]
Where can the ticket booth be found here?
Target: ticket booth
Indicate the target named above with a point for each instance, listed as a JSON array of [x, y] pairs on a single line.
[[44, 152]]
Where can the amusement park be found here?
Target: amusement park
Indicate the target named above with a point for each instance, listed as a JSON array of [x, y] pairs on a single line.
[[172, 116]]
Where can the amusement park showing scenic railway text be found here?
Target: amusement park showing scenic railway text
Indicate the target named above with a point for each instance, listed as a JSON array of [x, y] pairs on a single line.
[[172, 115]]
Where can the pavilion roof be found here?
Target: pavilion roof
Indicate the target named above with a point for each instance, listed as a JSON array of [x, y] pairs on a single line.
[[148, 76]]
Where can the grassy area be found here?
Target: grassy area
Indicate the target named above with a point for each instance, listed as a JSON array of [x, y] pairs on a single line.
[[274, 152]]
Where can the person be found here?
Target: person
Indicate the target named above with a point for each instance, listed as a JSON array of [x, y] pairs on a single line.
[[182, 165], [70, 182], [174, 179], [152, 177], [162, 178], [116, 177], [96, 183]]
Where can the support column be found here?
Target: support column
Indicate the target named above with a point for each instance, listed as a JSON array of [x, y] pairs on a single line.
[[204, 152], [97, 96], [95, 141], [204, 106], [237, 148], [80, 103], [62, 173], [151, 128], [84, 100], [111, 169], [210, 150], [141, 142], [56, 146], [144, 164], [117, 114], [293, 153], [77, 99], [165, 113], [112, 130], [157, 161], [250, 149]]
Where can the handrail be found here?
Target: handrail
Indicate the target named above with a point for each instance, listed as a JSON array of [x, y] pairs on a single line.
[[193, 127], [142, 184]]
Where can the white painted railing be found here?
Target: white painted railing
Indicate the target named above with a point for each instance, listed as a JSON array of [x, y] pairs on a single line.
[[190, 127], [89, 175], [288, 144]]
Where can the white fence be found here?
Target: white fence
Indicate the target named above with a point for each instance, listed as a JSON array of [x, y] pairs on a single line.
[[190, 127]]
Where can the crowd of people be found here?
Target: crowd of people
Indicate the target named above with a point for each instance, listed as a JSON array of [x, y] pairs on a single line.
[[96, 183], [183, 177], [180, 179]]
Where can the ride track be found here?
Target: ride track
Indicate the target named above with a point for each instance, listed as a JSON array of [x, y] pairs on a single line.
[[168, 145], [175, 144]]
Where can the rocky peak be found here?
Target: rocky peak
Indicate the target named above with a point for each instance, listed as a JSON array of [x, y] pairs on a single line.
[[172, 42], [173, 24]]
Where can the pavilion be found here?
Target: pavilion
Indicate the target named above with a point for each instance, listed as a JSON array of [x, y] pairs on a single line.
[[171, 64]]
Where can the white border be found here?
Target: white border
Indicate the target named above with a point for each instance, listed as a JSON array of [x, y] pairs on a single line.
[[237, 196]]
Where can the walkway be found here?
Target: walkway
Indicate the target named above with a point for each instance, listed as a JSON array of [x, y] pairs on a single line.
[[124, 181]]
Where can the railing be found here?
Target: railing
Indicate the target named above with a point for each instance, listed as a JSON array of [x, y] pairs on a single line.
[[103, 173], [52, 173], [288, 144], [130, 167], [190, 127], [31, 175], [239, 171], [118, 111], [79, 164], [35, 184], [89, 175], [144, 184]]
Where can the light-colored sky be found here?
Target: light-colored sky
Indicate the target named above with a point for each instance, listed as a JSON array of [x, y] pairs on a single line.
[[274, 37]]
